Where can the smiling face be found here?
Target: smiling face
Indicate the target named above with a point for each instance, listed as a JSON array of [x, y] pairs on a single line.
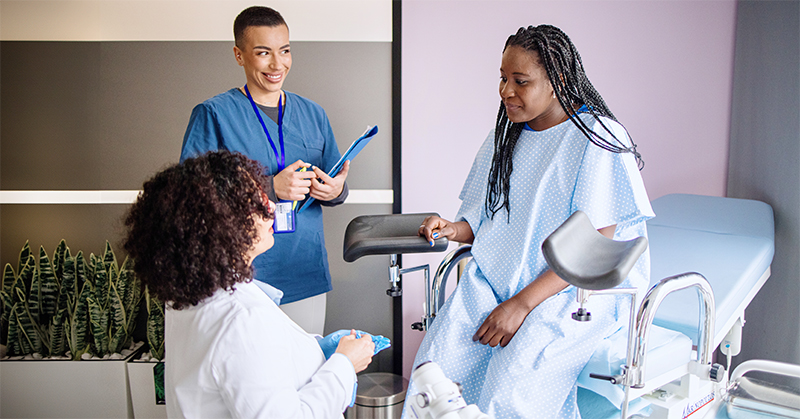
[[526, 91], [266, 58]]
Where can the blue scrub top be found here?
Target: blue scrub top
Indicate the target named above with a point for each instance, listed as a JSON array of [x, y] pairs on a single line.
[[298, 263]]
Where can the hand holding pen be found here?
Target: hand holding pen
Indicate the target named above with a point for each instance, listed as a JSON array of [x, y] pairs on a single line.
[[293, 183], [434, 227]]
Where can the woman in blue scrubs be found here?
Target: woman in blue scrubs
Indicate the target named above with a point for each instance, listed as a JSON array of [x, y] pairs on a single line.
[[292, 138]]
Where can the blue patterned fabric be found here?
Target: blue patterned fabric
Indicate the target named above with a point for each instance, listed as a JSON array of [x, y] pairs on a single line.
[[556, 172]]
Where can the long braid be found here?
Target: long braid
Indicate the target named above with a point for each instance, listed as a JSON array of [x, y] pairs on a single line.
[[564, 68], [506, 134]]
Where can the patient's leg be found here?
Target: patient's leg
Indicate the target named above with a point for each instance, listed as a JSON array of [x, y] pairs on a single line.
[[534, 376], [449, 341]]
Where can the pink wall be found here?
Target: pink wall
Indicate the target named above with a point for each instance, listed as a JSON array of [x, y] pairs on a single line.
[[664, 68]]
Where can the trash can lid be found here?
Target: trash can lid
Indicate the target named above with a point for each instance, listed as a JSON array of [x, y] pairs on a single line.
[[381, 389]]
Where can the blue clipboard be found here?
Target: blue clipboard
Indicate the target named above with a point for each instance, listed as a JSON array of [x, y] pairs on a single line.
[[351, 153]]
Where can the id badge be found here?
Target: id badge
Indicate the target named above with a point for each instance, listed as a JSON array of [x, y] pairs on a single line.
[[284, 217]]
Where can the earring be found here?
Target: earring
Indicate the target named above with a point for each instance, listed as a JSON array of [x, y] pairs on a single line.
[[554, 94]]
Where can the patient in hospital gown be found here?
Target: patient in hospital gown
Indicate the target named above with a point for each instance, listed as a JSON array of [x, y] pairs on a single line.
[[506, 334]]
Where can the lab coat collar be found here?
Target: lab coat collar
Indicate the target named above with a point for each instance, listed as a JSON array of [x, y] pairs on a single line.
[[273, 293]]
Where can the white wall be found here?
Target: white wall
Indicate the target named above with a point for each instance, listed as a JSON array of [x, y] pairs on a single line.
[[188, 20], [664, 68]]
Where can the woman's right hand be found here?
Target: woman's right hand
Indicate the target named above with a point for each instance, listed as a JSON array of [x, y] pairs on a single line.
[[359, 351], [435, 227], [292, 184]]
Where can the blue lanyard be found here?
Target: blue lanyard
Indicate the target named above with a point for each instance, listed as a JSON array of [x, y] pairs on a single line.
[[281, 159]]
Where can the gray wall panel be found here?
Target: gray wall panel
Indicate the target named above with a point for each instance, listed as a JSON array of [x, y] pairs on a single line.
[[764, 155], [84, 227]]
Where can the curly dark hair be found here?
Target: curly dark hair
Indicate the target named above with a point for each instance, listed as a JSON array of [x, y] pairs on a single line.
[[191, 227]]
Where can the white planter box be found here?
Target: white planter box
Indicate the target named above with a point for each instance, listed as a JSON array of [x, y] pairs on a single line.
[[143, 394], [65, 389]]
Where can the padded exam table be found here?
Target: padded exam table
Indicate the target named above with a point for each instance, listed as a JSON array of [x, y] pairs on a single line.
[[728, 241]]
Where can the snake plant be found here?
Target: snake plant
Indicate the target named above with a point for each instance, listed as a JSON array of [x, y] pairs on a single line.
[[68, 305], [155, 326]]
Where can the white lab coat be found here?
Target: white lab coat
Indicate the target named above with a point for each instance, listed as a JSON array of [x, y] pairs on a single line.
[[238, 355]]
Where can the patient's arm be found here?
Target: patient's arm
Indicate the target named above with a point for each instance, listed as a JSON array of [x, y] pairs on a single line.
[[458, 231], [503, 322]]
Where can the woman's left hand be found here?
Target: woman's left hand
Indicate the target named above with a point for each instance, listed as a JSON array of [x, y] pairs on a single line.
[[326, 188], [502, 323]]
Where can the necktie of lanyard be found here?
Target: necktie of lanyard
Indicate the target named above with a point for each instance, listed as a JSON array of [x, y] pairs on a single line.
[[279, 158]]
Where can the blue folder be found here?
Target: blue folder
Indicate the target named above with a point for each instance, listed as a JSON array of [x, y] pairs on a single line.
[[351, 153]]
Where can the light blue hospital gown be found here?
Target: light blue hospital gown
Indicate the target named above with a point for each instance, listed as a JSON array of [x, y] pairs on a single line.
[[556, 172]]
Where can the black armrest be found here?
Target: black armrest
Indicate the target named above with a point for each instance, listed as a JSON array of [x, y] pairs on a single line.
[[387, 235]]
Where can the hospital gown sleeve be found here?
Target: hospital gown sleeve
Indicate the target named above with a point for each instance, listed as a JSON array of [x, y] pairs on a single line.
[[473, 193], [256, 373], [609, 188]]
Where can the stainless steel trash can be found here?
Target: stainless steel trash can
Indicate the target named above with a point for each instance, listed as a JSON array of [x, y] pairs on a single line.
[[380, 395]]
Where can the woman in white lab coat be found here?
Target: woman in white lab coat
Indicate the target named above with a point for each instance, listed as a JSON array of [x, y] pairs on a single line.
[[232, 352]]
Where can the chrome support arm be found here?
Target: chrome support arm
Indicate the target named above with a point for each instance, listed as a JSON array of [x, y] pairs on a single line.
[[644, 321], [395, 272], [434, 293]]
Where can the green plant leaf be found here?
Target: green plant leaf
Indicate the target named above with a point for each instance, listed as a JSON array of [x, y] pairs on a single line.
[[133, 294], [80, 272], [23, 256], [66, 300], [48, 287], [101, 283], [35, 296], [58, 337], [28, 335], [7, 302], [33, 308], [13, 345], [79, 338], [99, 323], [109, 259], [118, 330], [23, 283], [59, 257], [155, 325], [113, 276], [9, 278], [20, 290]]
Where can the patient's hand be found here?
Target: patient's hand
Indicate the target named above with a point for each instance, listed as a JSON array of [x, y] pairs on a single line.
[[434, 227], [358, 350], [502, 323]]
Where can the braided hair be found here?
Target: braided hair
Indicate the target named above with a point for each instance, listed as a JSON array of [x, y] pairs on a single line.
[[571, 86]]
